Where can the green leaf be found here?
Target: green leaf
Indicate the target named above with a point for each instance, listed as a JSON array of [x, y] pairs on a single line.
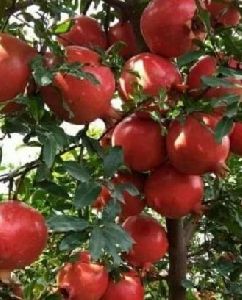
[[111, 210], [229, 72], [188, 58], [63, 27], [42, 173], [113, 161], [188, 284], [66, 224], [223, 128], [41, 74], [86, 193], [216, 82], [54, 189], [49, 150], [76, 170], [72, 241], [97, 243]]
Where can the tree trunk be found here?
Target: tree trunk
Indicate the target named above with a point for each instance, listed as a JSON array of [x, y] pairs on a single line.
[[177, 259]]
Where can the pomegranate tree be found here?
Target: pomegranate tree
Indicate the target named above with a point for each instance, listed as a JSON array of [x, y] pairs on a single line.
[[192, 147], [140, 154], [150, 72], [128, 287], [82, 280], [174, 194], [15, 57], [23, 235], [166, 26], [84, 31], [150, 240]]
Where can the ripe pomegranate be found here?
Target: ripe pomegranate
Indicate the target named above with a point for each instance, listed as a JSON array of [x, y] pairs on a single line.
[[23, 235], [151, 72], [150, 239], [132, 205], [85, 32], [174, 194], [80, 101], [166, 26], [223, 13], [127, 288], [123, 32], [206, 66], [142, 142], [236, 139], [82, 280], [192, 148], [15, 56]]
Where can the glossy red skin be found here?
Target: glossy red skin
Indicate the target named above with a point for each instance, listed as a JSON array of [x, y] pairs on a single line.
[[142, 143], [155, 73], [236, 139], [82, 280], [15, 56], [192, 148], [224, 13], [86, 101], [206, 66], [164, 26], [151, 243], [85, 32], [23, 235], [123, 32], [132, 205], [129, 287], [172, 193]]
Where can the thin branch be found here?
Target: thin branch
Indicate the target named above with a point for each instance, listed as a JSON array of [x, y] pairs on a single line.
[[20, 6], [117, 4]]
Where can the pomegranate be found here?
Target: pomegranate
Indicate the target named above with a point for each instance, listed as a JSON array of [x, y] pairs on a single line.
[[123, 32], [224, 13], [15, 56], [127, 288], [206, 66], [192, 148], [174, 194], [236, 139], [151, 72], [150, 239], [142, 142], [80, 101], [23, 235], [132, 205], [166, 26], [82, 280], [85, 32]]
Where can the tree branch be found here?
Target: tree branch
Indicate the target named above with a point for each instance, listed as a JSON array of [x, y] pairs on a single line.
[[117, 4], [190, 228]]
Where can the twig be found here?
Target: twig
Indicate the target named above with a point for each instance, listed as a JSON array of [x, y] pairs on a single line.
[[20, 6]]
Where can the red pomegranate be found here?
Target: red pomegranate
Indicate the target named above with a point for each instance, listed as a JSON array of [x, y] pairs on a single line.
[[23, 235], [15, 56], [142, 142], [151, 72], [86, 32], [166, 26], [123, 32], [82, 280], [206, 66], [174, 194], [224, 13], [132, 205], [236, 139], [150, 239], [80, 101], [128, 287], [192, 148]]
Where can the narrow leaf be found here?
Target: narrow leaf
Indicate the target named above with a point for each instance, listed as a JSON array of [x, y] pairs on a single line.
[[86, 194], [66, 224]]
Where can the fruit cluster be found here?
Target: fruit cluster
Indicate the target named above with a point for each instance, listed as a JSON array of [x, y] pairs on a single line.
[[166, 158]]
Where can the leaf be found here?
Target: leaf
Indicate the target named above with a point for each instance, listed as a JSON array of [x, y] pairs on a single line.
[[86, 193], [112, 161], [111, 210], [76, 170], [54, 189], [72, 240], [223, 128], [42, 173], [67, 224], [41, 74], [188, 284], [62, 27], [97, 243], [188, 58], [229, 72], [216, 82], [49, 150]]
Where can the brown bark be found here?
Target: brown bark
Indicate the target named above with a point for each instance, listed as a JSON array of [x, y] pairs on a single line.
[[177, 259]]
